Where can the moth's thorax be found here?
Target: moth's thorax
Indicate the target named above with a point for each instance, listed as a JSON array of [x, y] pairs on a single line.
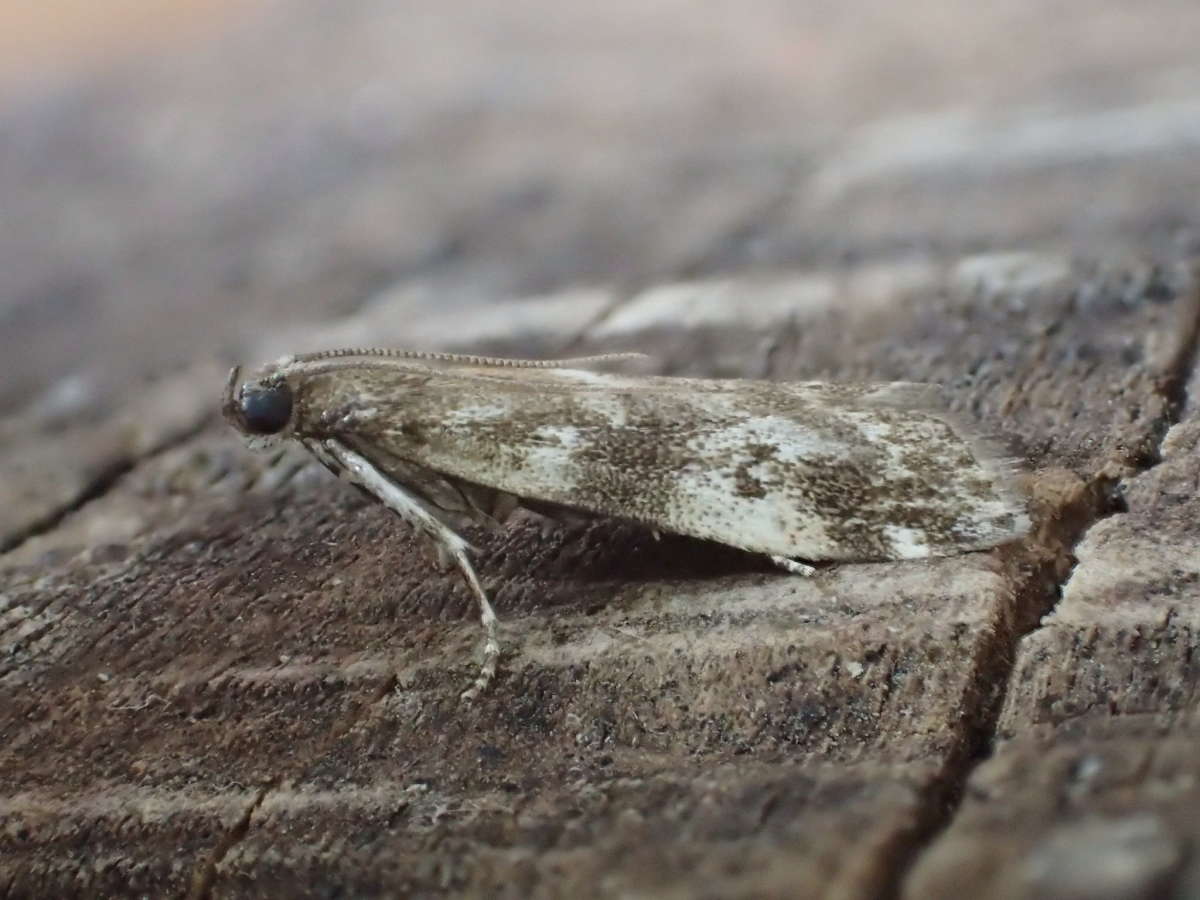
[[350, 401]]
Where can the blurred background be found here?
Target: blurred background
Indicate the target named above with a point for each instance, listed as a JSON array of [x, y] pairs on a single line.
[[185, 179]]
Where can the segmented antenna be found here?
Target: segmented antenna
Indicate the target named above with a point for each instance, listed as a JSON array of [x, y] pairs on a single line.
[[466, 359]]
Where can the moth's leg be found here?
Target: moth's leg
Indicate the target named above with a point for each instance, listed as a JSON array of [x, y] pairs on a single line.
[[360, 470], [796, 568], [548, 526], [487, 615]]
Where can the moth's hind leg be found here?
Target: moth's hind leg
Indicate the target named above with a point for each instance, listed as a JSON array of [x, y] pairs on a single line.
[[796, 568]]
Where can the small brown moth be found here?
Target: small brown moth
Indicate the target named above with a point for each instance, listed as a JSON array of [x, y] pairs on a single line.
[[814, 470]]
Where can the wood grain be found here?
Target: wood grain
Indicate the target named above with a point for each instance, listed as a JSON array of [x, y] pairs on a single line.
[[226, 675]]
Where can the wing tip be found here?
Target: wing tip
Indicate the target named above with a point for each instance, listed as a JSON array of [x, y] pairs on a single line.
[[990, 450]]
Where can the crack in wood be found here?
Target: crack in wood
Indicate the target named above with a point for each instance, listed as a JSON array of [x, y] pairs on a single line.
[[111, 475], [204, 876], [1040, 588]]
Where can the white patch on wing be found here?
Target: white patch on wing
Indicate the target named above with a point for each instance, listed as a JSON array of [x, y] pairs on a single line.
[[483, 412], [547, 454], [874, 431], [907, 543], [565, 437], [792, 442], [773, 523]]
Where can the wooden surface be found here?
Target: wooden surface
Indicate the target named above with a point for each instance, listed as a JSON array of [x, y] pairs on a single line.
[[225, 675]]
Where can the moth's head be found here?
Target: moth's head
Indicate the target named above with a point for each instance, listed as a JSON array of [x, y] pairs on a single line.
[[260, 407]]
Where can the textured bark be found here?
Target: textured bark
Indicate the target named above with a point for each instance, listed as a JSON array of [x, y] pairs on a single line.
[[224, 674]]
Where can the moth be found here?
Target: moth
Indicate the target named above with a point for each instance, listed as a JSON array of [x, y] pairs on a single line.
[[797, 471]]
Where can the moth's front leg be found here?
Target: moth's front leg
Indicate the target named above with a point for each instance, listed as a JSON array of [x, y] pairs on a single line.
[[361, 471]]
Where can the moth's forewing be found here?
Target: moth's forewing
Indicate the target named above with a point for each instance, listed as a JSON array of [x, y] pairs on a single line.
[[817, 471]]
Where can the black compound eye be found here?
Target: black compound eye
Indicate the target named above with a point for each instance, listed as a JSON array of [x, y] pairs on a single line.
[[266, 410]]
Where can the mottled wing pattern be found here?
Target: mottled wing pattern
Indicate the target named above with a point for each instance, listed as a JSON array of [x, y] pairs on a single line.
[[812, 470]]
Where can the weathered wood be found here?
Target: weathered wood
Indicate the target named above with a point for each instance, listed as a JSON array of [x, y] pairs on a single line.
[[267, 685], [1093, 789], [227, 675], [66, 448]]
